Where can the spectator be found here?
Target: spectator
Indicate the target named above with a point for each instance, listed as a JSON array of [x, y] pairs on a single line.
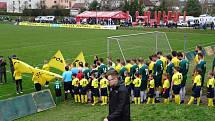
[[212, 25], [2, 70], [119, 98]]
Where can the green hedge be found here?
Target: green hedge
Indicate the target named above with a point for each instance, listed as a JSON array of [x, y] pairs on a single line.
[[46, 12]]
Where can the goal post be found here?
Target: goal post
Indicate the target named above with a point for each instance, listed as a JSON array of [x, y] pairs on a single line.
[[137, 45]]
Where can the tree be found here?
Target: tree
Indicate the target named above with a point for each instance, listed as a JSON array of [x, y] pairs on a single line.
[[94, 5], [193, 8]]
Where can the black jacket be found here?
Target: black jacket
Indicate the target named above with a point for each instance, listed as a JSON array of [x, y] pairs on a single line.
[[3, 66], [119, 104]]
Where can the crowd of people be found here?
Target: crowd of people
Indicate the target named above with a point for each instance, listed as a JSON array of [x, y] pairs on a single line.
[[159, 80]]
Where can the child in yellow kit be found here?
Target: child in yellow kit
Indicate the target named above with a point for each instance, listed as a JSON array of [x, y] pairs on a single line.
[[95, 89], [151, 90], [83, 84], [137, 84], [75, 83], [210, 89], [166, 89], [104, 89]]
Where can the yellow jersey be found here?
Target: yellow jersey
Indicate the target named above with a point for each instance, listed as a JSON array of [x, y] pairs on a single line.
[[211, 82], [151, 83], [104, 83], [198, 80], [118, 67], [127, 81], [128, 66], [75, 82], [137, 82], [175, 61], [164, 60], [46, 67], [177, 78], [166, 84], [84, 82], [17, 75], [151, 66], [95, 83], [35, 79]]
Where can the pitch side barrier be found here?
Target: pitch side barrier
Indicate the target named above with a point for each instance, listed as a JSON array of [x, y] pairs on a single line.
[[17, 107], [82, 26]]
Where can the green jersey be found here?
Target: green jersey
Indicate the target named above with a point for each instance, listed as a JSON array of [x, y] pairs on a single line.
[[202, 66], [102, 69], [158, 68], [86, 73], [133, 70], [184, 66], [144, 72], [57, 84], [170, 70], [122, 73]]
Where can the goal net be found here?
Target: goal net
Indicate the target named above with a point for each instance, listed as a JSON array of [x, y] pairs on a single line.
[[137, 45]]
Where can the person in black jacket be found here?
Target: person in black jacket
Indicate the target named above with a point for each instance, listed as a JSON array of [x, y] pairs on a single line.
[[2, 70], [119, 102]]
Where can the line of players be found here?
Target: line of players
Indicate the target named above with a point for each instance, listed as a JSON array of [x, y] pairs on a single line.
[[163, 76]]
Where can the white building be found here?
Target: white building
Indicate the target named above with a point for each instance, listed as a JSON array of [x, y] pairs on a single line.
[[17, 6]]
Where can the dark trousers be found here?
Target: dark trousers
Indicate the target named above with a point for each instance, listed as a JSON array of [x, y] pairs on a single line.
[[1, 77], [18, 85], [37, 86]]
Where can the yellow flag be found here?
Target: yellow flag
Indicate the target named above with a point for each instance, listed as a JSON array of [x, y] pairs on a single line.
[[79, 58], [41, 76], [57, 61], [22, 67]]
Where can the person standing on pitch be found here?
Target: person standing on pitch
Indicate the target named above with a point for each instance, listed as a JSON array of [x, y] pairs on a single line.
[[119, 103], [2, 70], [67, 79]]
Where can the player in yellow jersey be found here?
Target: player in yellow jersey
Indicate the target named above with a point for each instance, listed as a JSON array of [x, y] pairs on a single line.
[[95, 89], [175, 59], [176, 80], [210, 89], [104, 89], [196, 88], [166, 89], [151, 90], [151, 65], [198, 50], [76, 83], [128, 82], [18, 78], [118, 65], [128, 65], [84, 87], [137, 84]]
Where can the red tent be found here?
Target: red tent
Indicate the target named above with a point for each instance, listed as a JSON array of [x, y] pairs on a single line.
[[102, 15]]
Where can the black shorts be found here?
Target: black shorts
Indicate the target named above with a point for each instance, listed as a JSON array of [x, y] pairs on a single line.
[[158, 81], [183, 82], [95, 92], [58, 92], [129, 89], [104, 92], [37, 86], [68, 86], [166, 94], [84, 90], [176, 89], [151, 93], [196, 92], [210, 93], [76, 90], [143, 85], [136, 92]]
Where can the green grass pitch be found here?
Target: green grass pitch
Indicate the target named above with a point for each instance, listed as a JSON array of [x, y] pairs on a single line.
[[34, 44]]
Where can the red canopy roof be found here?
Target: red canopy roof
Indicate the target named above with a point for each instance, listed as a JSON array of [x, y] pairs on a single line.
[[103, 14]]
